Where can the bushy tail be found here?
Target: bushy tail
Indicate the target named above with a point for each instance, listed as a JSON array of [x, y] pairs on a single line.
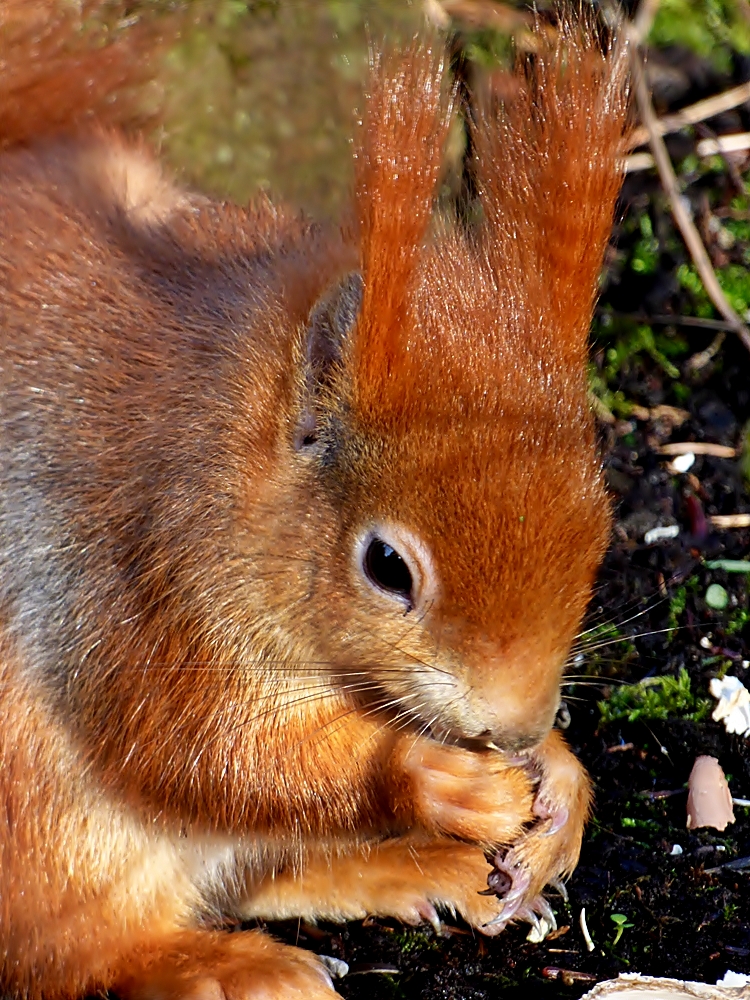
[[64, 64]]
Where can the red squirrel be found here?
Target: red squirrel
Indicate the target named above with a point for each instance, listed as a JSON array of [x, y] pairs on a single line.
[[297, 526]]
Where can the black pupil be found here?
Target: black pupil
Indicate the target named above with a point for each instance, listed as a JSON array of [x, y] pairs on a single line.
[[387, 569]]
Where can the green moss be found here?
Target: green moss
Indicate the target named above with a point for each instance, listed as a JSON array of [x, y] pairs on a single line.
[[654, 698], [676, 607], [737, 621], [415, 939], [734, 280], [712, 28], [606, 642], [645, 258], [682, 392]]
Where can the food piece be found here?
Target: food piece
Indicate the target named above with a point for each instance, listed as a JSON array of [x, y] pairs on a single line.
[[709, 799]]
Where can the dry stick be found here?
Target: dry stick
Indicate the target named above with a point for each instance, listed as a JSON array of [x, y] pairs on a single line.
[[731, 142], [697, 361], [694, 113], [730, 520], [697, 448], [681, 217], [640, 26]]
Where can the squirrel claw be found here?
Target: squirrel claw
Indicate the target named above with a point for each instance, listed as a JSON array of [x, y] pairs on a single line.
[[533, 912], [559, 885], [542, 907], [557, 819], [429, 914]]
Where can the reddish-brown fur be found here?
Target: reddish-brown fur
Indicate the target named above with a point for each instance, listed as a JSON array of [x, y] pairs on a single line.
[[207, 710]]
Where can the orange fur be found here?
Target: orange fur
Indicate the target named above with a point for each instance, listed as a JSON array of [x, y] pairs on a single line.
[[210, 710]]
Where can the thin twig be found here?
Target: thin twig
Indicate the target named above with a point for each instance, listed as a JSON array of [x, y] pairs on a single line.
[[643, 20], [701, 358], [694, 113], [735, 142], [679, 211], [730, 520], [697, 448], [698, 321], [667, 320]]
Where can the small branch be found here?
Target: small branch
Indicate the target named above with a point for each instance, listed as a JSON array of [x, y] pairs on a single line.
[[696, 321], [724, 521], [697, 448], [735, 142], [694, 113], [643, 20], [699, 360], [680, 213]]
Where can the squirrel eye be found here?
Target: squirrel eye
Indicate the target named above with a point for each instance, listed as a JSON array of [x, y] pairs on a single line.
[[386, 569]]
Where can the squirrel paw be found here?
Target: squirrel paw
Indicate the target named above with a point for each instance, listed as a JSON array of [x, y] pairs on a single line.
[[480, 798], [549, 850], [222, 966], [511, 881]]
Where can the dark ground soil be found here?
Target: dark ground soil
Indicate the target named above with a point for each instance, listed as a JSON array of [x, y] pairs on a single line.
[[690, 914]]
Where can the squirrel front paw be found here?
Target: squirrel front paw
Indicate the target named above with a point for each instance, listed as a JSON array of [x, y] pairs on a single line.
[[479, 797], [549, 850]]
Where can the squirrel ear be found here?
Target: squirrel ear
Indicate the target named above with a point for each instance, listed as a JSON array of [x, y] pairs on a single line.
[[331, 323], [332, 319]]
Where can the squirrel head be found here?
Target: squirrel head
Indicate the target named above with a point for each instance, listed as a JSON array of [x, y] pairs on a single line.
[[445, 407]]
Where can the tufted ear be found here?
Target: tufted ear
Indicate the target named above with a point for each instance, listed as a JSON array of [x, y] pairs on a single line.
[[330, 325]]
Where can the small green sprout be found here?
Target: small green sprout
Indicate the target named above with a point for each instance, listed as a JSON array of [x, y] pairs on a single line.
[[621, 922]]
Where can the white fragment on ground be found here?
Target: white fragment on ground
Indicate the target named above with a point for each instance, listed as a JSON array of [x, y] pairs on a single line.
[[585, 930], [660, 534], [337, 967], [676, 851], [733, 979], [734, 704], [709, 799], [539, 931], [633, 986], [681, 463]]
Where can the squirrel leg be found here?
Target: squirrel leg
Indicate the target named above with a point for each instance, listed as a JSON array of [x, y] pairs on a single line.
[[480, 798], [410, 878], [205, 965], [536, 805]]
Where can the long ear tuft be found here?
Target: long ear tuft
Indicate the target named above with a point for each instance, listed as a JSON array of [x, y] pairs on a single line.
[[550, 168], [397, 168], [61, 67]]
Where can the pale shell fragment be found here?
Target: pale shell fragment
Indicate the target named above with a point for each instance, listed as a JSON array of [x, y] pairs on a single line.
[[681, 463], [734, 979], [632, 986], [734, 704], [658, 534], [709, 799], [539, 931]]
